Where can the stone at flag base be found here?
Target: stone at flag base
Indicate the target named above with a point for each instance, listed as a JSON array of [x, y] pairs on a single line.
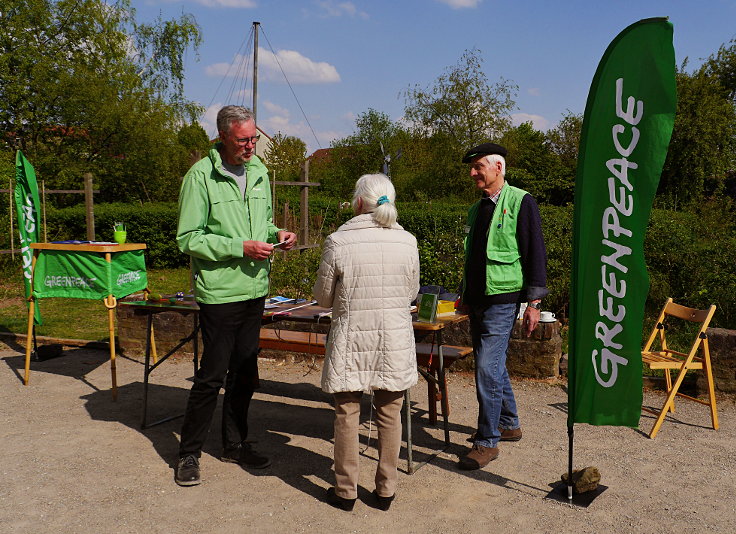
[[584, 480]]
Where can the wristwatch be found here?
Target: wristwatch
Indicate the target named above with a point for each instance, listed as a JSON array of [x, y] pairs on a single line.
[[536, 305]]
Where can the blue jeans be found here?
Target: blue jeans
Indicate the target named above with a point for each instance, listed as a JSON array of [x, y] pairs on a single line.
[[491, 329]]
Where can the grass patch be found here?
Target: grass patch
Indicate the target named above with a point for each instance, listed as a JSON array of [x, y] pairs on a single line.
[[74, 318]]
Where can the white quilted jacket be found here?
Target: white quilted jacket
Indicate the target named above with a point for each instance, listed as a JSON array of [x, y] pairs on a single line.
[[369, 275]]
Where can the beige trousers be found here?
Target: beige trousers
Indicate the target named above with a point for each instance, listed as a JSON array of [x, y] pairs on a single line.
[[347, 446]]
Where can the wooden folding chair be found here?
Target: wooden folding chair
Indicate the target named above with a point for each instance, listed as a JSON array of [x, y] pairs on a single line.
[[669, 359]]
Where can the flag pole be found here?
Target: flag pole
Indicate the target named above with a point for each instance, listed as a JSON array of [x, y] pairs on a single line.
[[570, 433]]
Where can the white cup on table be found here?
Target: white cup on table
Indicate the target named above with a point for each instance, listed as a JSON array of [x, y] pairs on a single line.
[[547, 317]]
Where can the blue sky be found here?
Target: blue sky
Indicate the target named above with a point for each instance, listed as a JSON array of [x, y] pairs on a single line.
[[344, 57]]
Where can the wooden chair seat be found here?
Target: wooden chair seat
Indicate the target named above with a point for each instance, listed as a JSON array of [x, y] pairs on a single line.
[[667, 360]]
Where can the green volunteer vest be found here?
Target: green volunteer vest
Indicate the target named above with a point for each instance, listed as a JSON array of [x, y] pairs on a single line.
[[503, 261]]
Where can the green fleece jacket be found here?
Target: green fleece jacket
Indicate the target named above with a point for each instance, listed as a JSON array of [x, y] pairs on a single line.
[[215, 219]]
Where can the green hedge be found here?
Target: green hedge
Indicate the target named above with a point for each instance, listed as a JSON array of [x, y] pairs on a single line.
[[690, 256], [153, 224]]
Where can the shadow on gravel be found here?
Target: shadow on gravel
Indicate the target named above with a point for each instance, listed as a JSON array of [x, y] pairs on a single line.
[[284, 420], [73, 362]]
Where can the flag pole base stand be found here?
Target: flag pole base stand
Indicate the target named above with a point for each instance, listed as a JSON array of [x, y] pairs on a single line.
[[47, 352], [583, 500]]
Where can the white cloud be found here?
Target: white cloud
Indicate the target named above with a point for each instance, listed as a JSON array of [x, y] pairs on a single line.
[[228, 3], [275, 108], [534, 91], [330, 8], [539, 122], [298, 68], [220, 69], [209, 119], [461, 4]]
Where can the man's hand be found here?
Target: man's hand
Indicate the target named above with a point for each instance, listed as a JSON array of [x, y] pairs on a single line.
[[257, 250], [531, 318], [289, 237]]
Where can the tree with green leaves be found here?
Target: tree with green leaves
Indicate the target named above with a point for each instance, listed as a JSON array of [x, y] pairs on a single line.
[[564, 139], [703, 146], [86, 88], [285, 156], [459, 110], [362, 152], [462, 104], [540, 164], [722, 65]]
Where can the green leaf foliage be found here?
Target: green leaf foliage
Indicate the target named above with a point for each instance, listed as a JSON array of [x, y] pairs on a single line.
[[690, 257], [86, 88], [703, 146], [285, 156]]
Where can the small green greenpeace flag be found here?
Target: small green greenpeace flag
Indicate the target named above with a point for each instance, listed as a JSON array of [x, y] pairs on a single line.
[[26, 204], [626, 131]]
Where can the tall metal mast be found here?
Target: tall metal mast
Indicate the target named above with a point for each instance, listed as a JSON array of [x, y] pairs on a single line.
[[255, 70]]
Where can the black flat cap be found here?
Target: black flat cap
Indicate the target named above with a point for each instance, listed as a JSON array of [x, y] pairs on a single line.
[[484, 150]]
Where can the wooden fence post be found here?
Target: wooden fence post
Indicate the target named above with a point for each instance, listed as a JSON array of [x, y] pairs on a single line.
[[43, 208], [304, 231], [89, 206]]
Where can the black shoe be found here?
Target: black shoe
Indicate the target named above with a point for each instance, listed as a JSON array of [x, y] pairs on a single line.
[[384, 503], [187, 471], [335, 500], [243, 454]]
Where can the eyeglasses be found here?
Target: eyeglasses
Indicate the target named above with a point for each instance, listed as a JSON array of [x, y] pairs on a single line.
[[246, 140]]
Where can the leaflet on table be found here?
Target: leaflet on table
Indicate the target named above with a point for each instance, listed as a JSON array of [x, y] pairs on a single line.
[[75, 242], [273, 302], [427, 307]]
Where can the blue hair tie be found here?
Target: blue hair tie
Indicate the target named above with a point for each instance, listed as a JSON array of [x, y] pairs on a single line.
[[382, 200]]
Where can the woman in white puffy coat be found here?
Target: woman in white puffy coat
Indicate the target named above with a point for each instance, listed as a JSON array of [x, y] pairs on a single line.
[[369, 275]]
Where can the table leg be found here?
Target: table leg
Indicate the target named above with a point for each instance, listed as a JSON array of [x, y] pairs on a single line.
[[431, 396], [152, 337], [443, 386], [147, 367], [111, 303], [407, 409], [29, 335]]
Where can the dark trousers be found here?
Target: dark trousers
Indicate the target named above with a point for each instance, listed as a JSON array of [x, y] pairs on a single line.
[[230, 334]]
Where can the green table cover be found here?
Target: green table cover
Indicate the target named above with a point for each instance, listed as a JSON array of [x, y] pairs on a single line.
[[88, 275]]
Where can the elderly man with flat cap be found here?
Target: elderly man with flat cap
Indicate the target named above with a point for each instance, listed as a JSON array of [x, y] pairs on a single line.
[[505, 265]]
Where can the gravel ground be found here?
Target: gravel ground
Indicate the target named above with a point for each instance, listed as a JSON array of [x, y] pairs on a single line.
[[73, 461]]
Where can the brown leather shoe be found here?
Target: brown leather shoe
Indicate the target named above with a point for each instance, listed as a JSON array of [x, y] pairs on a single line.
[[506, 435], [510, 435], [478, 457]]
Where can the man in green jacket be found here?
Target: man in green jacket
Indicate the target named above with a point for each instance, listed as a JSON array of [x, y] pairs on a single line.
[[226, 226]]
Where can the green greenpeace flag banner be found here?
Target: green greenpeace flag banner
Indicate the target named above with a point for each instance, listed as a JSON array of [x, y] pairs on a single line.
[[626, 130], [89, 276], [26, 204]]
